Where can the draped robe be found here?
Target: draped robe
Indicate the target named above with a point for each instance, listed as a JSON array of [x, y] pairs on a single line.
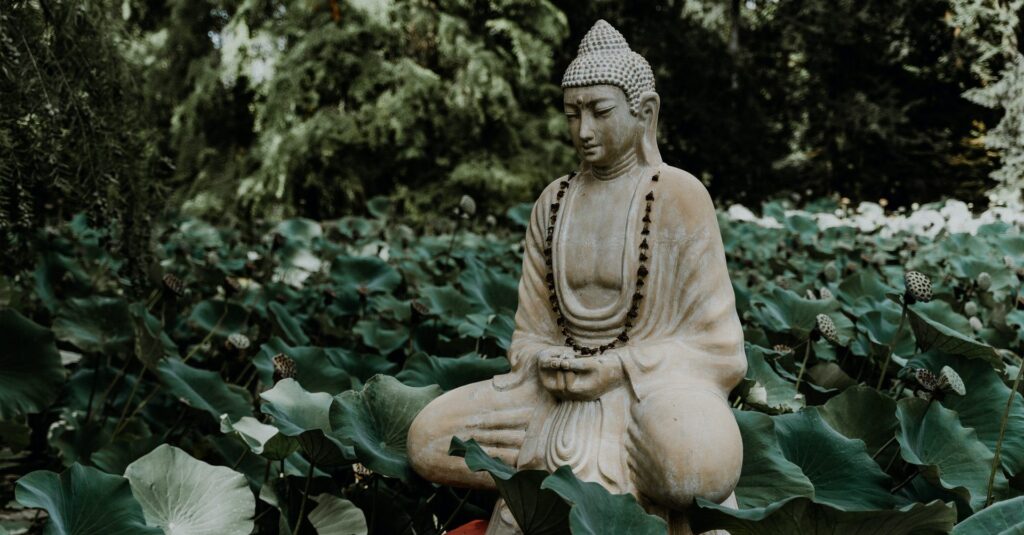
[[669, 419]]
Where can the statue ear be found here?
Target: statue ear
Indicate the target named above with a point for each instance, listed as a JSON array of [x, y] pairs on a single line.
[[650, 105]]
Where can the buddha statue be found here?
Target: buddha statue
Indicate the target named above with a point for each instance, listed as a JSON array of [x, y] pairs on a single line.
[[627, 342]]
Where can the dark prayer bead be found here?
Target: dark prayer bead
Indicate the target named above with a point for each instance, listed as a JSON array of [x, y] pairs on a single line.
[[650, 197]]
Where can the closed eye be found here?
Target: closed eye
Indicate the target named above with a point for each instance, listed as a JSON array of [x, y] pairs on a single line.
[[604, 112]]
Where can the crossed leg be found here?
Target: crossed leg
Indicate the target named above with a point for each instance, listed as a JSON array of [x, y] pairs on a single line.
[[496, 419]]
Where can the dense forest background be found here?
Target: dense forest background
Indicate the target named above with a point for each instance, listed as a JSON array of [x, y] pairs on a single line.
[[258, 109]]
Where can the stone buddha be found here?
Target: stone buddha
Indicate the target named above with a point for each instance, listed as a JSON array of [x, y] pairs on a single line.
[[627, 340]]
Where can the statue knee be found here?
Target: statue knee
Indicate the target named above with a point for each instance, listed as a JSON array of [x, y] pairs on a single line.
[[684, 445]]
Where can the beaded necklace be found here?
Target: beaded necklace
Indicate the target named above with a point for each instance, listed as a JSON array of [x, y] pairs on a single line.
[[641, 274]]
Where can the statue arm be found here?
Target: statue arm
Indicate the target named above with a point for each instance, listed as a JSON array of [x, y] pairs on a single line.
[[535, 329], [688, 332]]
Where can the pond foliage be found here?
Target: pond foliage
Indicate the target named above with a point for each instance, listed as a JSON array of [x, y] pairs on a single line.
[[268, 381]]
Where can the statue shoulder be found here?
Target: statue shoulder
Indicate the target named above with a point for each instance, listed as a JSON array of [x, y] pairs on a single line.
[[550, 191], [686, 193]]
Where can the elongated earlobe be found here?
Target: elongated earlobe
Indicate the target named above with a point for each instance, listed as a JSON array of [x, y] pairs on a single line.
[[650, 105]]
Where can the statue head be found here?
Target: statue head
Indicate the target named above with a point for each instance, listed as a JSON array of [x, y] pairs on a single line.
[[609, 99]]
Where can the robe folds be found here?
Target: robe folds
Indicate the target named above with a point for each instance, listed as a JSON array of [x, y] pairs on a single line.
[[685, 353]]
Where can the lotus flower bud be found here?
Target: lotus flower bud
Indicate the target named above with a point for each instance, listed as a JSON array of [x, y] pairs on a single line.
[[831, 272], [757, 395], [976, 325], [950, 380], [984, 281], [971, 308], [467, 205], [919, 287], [827, 328]]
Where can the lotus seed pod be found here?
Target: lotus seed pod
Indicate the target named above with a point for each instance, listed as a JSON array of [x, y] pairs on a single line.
[[950, 380], [757, 394], [984, 281], [971, 308], [284, 367], [926, 379], [467, 205], [825, 293], [361, 472], [174, 285], [827, 328], [919, 287], [831, 272], [238, 341], [782, 348], [976, 325]]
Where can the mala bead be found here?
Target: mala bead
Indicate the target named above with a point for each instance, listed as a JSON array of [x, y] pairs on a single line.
[[642, 272]]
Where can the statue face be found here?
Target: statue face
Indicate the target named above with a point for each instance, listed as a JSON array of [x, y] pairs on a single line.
[[602, 128]]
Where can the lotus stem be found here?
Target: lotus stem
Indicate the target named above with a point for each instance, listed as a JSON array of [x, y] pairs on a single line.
[[892, 346], [305, 497], [886, 445], [1002, 434], [803, 365], [456, 511]]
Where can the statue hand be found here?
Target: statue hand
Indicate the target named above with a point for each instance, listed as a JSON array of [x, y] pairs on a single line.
[[569, 377], [550, 363]]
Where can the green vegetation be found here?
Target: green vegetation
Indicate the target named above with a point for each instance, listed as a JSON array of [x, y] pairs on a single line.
[[294, 359]]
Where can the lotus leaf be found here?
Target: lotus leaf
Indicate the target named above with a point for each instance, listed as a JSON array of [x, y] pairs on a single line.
[[99, 325], [84, 501], [183, 495], [30, 369], [376, 420]]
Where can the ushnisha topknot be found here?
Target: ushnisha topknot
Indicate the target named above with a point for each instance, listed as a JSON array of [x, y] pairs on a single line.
[[604, 57]]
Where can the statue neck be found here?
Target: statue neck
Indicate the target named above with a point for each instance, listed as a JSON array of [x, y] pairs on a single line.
[[624, 166]]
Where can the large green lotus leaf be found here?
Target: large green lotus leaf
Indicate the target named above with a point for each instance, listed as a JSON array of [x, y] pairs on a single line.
[[983, 405], [949, 455], [969, 267], [151, 342], [376, 420], [391, 308], [299, 229], [288, 324], [306, 416], [100, 325], [783, 311], [449, 373], [446, 302], [879, 326], [804, 517], [30, 370], [364, 275], [932, 332], [781, 395], [204, 389], [863, 291], [337, 516], [491, 290], [261, 438], [767, 475], [222, 318], [84, 501], [538, 511], [866, 414], [1002, 518], [185, 496], [841, 470], [596, 511], [381, 337], [315, 370]]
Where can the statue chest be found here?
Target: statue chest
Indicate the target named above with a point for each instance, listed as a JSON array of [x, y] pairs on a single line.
[[595, 242]]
